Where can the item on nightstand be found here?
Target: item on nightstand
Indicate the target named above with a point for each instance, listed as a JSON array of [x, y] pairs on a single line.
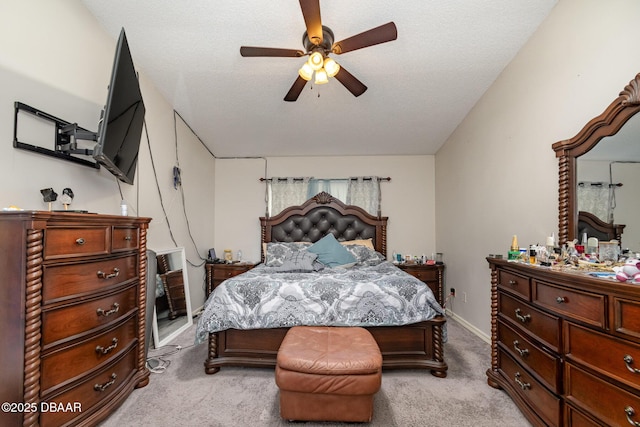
[[228, 255], [438, 258]]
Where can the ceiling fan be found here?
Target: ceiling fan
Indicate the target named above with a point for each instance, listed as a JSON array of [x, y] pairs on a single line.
[[318, 44]]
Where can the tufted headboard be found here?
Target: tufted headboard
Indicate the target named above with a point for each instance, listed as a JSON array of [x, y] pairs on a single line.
[[321, 215]]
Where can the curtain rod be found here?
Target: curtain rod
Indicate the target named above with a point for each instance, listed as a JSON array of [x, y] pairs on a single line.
[[302, 179], [598, 184]]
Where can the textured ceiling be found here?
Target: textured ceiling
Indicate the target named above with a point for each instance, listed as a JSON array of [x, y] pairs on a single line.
[[420, 86]]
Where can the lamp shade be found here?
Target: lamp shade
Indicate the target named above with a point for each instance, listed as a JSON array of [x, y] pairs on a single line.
[[321, 77], [316, 60], [331, 67], [306, 72]]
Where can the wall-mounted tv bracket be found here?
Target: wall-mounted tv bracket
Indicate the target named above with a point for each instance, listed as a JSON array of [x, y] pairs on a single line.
[[65, 137]]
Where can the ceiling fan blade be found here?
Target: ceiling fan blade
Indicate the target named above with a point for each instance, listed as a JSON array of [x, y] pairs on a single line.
[[382, 34], [355, 86], [295, 90], [270, 51], [311, 14]]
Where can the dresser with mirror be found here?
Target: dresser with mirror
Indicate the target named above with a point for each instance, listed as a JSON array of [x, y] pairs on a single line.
[[565, 344]]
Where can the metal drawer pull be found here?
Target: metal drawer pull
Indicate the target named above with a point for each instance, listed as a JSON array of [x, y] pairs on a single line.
[[114, 309], [513, 282], [524, 386], [560, 300], [523, 319], [628, 360], [630, 413], [127, 238], [103, 350], [103, 387], [103, 275], [80, 241], [523, 352]]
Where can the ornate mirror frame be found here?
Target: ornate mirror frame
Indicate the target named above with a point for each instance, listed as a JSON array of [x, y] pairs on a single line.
[[625, 106]]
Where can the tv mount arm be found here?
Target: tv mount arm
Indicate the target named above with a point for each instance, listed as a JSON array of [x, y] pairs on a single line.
[[66, 135]]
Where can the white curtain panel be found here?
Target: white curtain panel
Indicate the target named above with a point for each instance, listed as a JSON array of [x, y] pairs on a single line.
[[285, 192], [595, 199], [365, 192]]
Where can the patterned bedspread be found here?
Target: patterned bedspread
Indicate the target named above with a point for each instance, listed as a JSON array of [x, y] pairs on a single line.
[[380, 295]]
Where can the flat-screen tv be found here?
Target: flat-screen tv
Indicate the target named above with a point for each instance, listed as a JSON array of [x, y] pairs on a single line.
[[120, 127]]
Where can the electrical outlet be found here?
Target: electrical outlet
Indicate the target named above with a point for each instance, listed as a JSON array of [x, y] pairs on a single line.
[[453, 292], [464, 297]]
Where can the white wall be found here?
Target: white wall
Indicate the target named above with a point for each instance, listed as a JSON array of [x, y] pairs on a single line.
[[497, 175], [55, 57], [408, 199]]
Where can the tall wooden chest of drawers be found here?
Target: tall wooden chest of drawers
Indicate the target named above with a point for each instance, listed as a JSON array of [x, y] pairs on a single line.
[[73, 319], [565, 346]]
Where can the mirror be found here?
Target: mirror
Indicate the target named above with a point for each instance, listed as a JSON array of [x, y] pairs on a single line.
[[614, 162], [601, 131], [172, 311]]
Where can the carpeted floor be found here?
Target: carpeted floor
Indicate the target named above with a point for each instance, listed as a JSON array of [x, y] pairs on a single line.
[[183, 395]]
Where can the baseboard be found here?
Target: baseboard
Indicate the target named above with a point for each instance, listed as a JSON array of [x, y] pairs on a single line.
[[484, 337], [197, 311]]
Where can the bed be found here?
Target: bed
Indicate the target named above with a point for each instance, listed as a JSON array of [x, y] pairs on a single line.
[[254, 343], [595, 227]]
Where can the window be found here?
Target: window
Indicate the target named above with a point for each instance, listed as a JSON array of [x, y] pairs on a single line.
[[359, 191]]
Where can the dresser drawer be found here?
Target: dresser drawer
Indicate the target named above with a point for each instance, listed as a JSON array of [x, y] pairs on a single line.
[[124, 238], [575, 418], [582, 306], [543, 327], [68, 363], [544, 403], [600, 398], [544, 365], [610, 356], [228, 272], [514, 284], [65, 242], [69, 321], [420, 272], [95, 389], [626, 314], [69, 280]]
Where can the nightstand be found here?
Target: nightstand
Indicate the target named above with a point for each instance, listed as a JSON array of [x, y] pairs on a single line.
[[432, 275], [218, 273]]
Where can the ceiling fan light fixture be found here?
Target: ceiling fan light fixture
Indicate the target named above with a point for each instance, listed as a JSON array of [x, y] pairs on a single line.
[[321, 77], [316, 60], [331, 67], [306, 72]]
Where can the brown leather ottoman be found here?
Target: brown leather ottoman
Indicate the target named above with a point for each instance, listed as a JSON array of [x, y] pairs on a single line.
[[328, 374]]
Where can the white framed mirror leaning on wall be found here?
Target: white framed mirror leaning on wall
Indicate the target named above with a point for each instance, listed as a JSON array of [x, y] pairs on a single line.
[[172, 310]]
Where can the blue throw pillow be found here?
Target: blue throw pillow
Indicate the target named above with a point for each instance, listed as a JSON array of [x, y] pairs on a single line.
[[330, 252]]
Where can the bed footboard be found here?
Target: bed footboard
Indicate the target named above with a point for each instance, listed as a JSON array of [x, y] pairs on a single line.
[[415, 346]]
